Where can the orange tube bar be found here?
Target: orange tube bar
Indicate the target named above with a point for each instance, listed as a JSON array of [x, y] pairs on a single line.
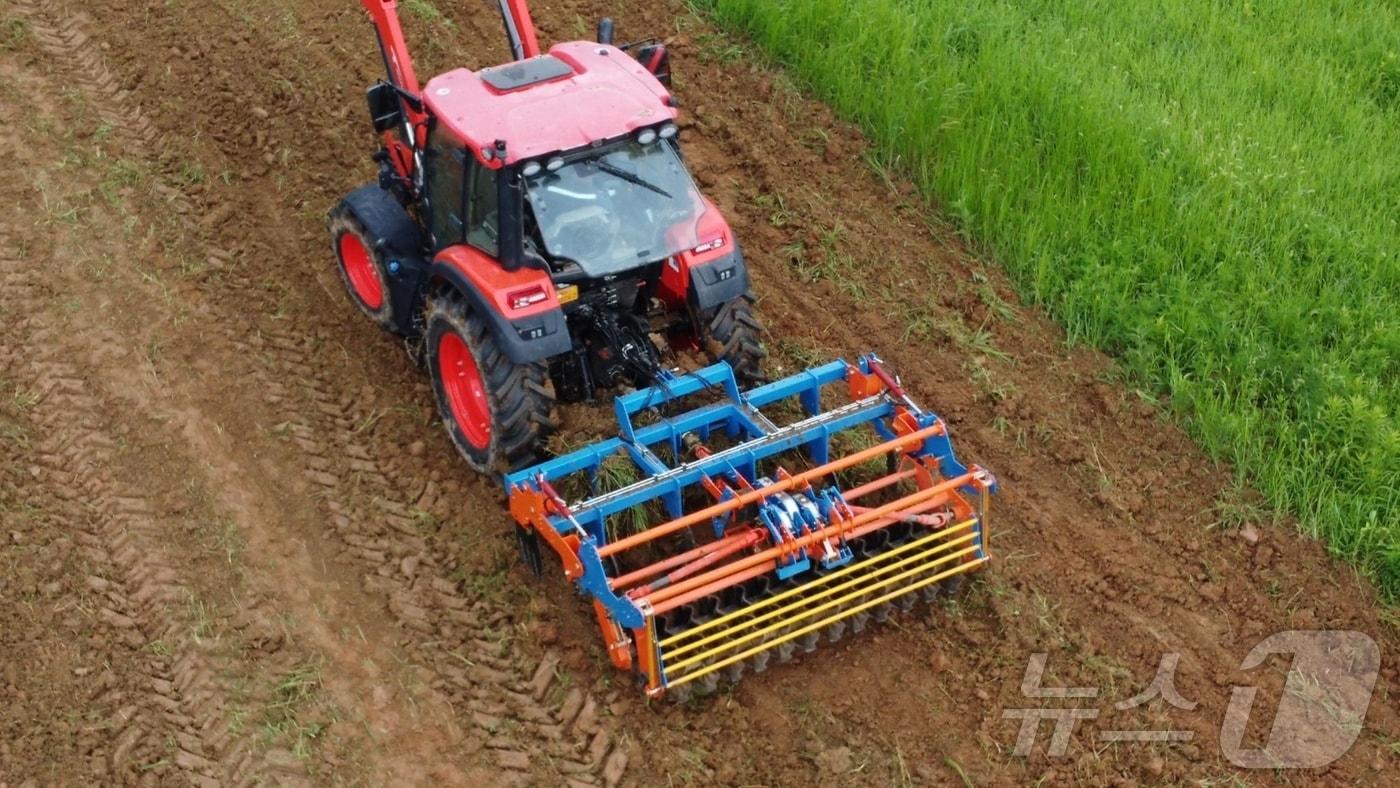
[[772, 553], [726, 549], [650, 570], [718, 585], [743, 499], [878, 484], [910, 516]]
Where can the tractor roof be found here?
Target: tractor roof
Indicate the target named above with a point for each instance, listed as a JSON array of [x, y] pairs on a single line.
[[579, 93]]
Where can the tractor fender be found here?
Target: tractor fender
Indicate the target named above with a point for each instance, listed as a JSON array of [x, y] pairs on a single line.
[[385, 219], [711, 274], [521, 307], [706, 281], [398, 240], [719, 281]]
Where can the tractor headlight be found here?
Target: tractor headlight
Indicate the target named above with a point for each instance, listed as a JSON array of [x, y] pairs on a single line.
[[531, 169], [646, 136], [668, 131], [554, 163]]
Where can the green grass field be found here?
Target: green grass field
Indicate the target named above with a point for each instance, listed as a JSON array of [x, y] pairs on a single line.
[[1209, 191]]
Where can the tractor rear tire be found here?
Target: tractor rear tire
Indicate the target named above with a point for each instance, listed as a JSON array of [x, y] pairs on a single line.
[[497, 412], [361, 266], [733, 335]]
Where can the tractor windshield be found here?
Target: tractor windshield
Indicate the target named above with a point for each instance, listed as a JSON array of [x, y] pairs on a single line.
[[610, 212]]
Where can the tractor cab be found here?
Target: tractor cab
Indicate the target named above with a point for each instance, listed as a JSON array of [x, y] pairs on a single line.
[[567, 161]]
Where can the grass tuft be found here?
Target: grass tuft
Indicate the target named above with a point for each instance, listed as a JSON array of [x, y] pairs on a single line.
[[283, 718], [423, 9]]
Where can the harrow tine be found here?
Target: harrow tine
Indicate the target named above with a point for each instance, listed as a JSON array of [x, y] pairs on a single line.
[[528, 542]]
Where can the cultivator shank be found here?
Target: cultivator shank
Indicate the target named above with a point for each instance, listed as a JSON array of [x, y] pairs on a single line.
[[796, 510]]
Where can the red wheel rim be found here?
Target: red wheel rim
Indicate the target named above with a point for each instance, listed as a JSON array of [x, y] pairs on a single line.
[[361, 271], [466, 394]]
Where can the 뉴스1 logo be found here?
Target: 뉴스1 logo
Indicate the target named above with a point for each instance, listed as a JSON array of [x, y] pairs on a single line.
[[1318, 716]]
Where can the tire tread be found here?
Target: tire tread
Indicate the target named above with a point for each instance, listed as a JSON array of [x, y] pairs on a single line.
[[521, 402]]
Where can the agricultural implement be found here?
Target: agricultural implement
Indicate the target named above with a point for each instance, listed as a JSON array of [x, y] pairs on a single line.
[[535, 237], [766, 540]]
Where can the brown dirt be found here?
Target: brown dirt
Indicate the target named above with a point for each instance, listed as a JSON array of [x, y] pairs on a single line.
[[237, 547]]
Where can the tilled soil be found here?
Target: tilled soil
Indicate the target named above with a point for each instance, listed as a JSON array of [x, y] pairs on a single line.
[[237, 546]]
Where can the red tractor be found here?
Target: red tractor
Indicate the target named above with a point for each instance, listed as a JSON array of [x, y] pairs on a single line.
[[535, 235]]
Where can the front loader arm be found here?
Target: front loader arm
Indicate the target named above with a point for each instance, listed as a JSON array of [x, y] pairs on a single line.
[[403, 144], [385, 14]]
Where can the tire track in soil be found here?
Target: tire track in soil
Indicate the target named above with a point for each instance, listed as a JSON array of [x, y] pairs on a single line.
[[182, 704], [496, 687], [237, 479], [495, 683]]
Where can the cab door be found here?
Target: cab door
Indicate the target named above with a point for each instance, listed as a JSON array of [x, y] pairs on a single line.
[[447, 178], [463, 203]]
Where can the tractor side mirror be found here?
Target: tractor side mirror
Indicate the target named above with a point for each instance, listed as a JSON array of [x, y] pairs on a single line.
[[655, 58], [384, 107]]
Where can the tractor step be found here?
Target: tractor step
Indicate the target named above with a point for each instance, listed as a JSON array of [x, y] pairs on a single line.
[[757, 523]]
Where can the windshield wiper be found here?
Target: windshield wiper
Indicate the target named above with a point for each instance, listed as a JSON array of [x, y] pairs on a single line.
[[631, 178]]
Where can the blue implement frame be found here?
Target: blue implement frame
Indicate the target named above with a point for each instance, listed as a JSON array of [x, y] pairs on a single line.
[[737, 415]]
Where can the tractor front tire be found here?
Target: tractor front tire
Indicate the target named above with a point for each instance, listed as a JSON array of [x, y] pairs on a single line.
[[732, 334], [361, 266], [497, 412]]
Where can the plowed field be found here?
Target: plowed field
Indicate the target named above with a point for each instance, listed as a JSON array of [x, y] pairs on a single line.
[[238, 547]]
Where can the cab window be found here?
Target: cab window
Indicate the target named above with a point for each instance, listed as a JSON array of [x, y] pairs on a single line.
[[447, 173], [483, 204]]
